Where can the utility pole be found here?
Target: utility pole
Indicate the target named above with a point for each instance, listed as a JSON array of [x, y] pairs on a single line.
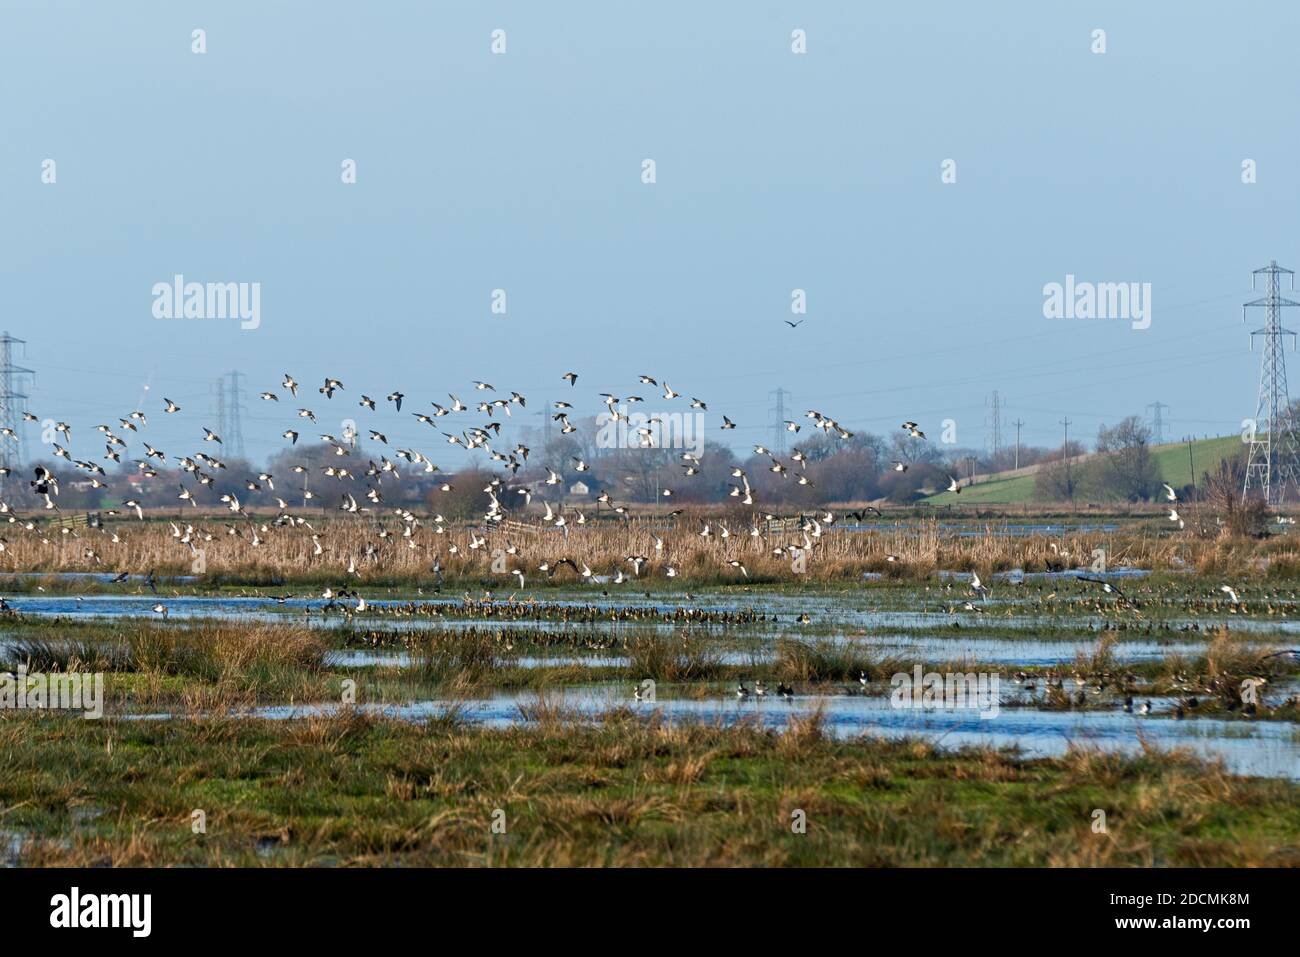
[[778, 422], [12, 398], [1018, 424], [1191, 467], [1158, 422], [1065, 453], [1273, 461]]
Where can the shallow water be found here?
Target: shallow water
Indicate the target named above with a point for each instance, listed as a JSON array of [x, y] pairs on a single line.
[[927, 635], [937, 649], [11, 848], [852, 612], [1264, 748]]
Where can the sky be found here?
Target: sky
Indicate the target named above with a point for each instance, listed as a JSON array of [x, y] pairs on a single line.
[[523, 171]]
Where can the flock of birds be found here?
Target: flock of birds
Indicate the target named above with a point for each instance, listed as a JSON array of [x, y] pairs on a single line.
[[198, 468], [361, 489]]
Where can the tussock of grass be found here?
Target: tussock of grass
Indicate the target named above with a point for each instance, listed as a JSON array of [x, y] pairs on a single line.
[[818, 660], [673, 657], [459, 661]]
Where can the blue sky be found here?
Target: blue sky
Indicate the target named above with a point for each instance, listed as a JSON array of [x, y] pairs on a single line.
[[522, 172]]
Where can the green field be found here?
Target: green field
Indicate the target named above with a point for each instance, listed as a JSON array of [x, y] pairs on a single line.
[[1171, 459]]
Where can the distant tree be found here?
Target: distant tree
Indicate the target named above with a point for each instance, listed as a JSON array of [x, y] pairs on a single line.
[[1129, 470], [466, 499]]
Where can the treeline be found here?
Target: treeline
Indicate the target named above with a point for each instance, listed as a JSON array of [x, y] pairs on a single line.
[[816, 469]]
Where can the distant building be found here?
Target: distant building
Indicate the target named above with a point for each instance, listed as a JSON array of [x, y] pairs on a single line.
[[579, 489]]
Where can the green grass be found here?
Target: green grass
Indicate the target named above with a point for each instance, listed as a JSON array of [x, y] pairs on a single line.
[[1007, 491], [625, 791], [1171, 459]]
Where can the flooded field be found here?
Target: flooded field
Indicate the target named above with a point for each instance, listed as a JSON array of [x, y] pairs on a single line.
[[1028, 642], [1268, 749], [912, 686]]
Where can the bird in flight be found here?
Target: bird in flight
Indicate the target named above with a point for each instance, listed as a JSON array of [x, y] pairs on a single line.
[[793, 324], [1106, 586]]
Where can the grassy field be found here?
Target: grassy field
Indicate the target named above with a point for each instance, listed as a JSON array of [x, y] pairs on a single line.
[[1176, 467], [1008, 491], [351, 790], [1172, 460]]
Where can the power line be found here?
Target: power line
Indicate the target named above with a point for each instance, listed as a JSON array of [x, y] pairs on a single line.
[[1272, 462]]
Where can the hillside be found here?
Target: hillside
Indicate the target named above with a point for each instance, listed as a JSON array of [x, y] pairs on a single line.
[[1171, 460]]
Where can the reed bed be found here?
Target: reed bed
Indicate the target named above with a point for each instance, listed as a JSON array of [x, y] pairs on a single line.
[[839, 553], [205, 663]]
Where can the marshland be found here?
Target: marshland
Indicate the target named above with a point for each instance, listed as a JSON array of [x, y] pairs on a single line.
[[399, 711]]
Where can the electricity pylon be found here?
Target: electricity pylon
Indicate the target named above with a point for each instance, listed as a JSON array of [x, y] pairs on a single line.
[[1273, 462]]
